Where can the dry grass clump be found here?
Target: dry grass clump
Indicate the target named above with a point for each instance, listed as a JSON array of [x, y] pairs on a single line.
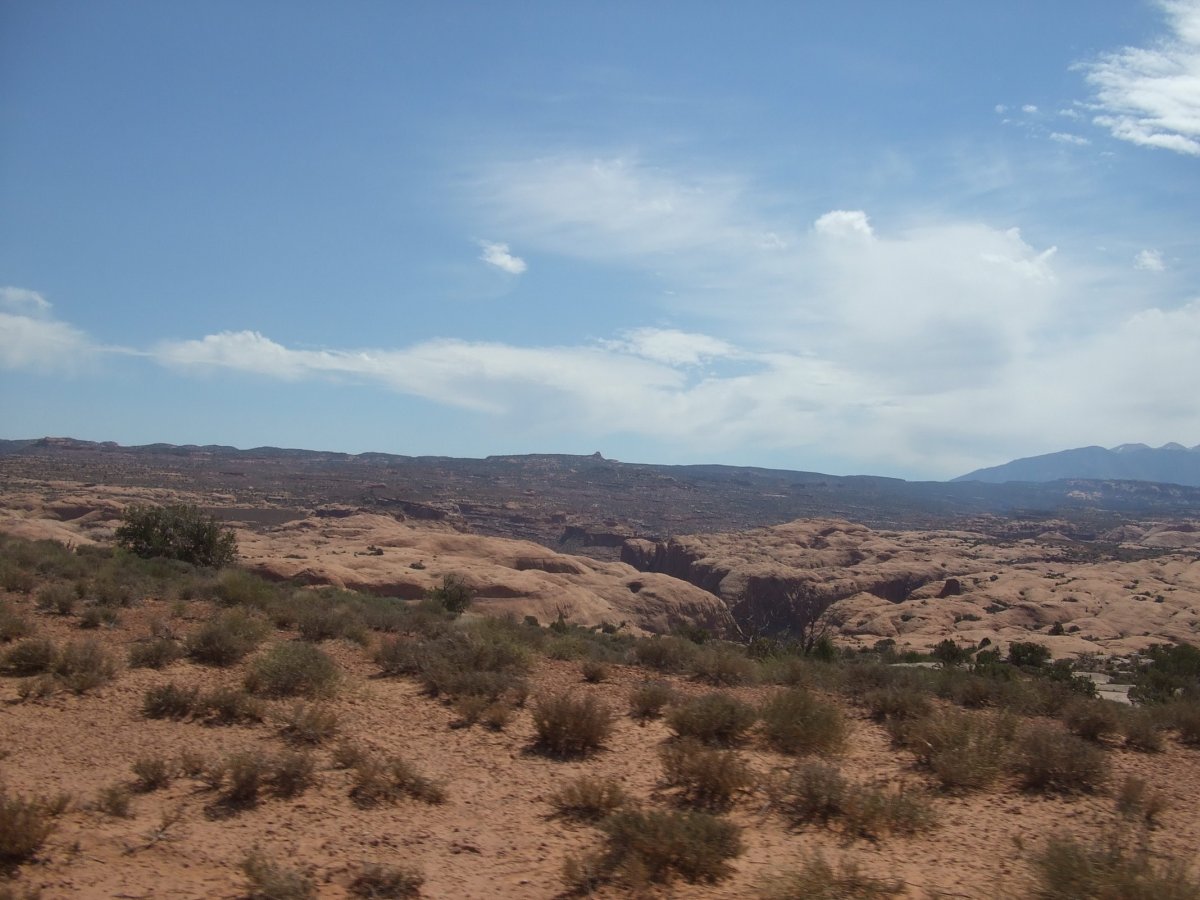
[[1136, 800], [387, 779], [567, 725], [270, 881], [896, 703], [83, 666], [230, 706], [152, 773], [649, 699], [714, 718], [594, 671], [1185, 716], [818, 880], [721, 664], [57, 599], [487, 662], [291, 773], [309, 723], [170, 701], [1067, 869], [29, 657], [291, 669], [666, 654], [114, 801], [1092, 720], [965, 750], [797, 723], [819, 793], [1142, 731], [13, 625], [588, 798], [247, 775], [227, 639], [708, 777], [154, 654], [24, 826], [1050, 760], [379, 882]]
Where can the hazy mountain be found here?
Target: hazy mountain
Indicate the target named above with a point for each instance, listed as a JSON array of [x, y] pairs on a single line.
[[1168, 464]]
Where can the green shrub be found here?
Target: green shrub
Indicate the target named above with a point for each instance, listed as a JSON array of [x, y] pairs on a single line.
[[964, 750], [309, 723], [1050, 760], [818, 880], [29, 657], [24, 827], [84, 665], [648, 699], [155, 654], [225, 639], [1092, 720], [380, 779], [567, 725], [796, 722], [453, 596], [813, 792], [170, 701], [708, 777], [290, 669], [656, 844], [722, 664], [896, 703], [588, 798], [1028, 654], [714, 718], [324, 622], [666, 654], [1184, 715], [270, 881], [378, 882], [478, 662], [239, 588], [1067, 870], [180, 531]]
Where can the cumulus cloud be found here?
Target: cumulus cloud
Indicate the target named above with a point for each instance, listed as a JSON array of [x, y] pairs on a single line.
[[671, 347], [1149, 261], [1064, 138], [498, 255], [844, 223], [1151, 95], [32, 339]]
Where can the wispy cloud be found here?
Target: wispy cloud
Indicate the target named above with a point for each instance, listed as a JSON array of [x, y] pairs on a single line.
[[32, 339], [1064, 138], [498, 255], [1151, 95], [1149, 261]]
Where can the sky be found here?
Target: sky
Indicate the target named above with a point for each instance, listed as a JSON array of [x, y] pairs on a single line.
[[856, 238]]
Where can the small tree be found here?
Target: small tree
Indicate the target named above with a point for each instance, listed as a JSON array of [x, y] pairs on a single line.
[[180, 531], [796, 612], [454, 595], [1028, 654]]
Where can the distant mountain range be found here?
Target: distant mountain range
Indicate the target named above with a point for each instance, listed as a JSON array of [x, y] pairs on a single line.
[[1168, 464]]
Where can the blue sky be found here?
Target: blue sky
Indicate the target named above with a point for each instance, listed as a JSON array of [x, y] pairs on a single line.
[[903, 239]]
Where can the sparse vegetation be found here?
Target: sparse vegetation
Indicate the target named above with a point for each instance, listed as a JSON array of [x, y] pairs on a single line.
[[290, 669], [714, 718], [271, 881], [152, 773], [83, 666], [654, 845], [1068, 869], [24, 826], [179, 531], [309, 723], [1136, 800], [588, 798], [707, 777], [154, 654], [387, 779], [170, 701], [818, 880], [649, 699], [1050, 760], [964, 750], [567, 725], [817, 792], [796, 722], [380, 882], [226, 639]]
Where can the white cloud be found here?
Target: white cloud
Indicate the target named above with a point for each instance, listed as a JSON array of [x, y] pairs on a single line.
[[844, 223], [32, 339], [1070, 114], [498, 255], [1149, 261], [1151, 95], [671, 347], [1029, 108], [1000, 109], [24, 300], [1063, 138]]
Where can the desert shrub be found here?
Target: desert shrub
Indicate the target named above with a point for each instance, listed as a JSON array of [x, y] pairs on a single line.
[[229, 706], [180, 531], [37, 688], [1028, 654], [1168, 671], [84, 665], [379, 779], [237, 587], [817, 792], [594, 671], [170, 701], [714, 718], [1142, 731], [14, 578], [292, 668], [722, 664], [588, 798], [813, 792], [666, 654], [245, 775], [964, 750], [152, 773], [270, 881], [13, 625], [225, 639], [656, 844], [58, 599], [29, 657], [453, 595], [114, 801], [155, 654], [479, 662], [1136, 800], [567, 725], [896, 703], [347, 755], [796, 722], [324, 622], [708, 777], [24, 826], [378, 882], [291, 773], [818, 880], [193, 763], [309, 723], [1067, 869], [1184, 715], [1092, 720], [95, 616], [1050, 760], [648, 699]]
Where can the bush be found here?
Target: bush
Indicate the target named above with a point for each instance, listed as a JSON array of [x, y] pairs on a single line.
[[797, 723], [236, 587], [648, 699], [818, 880], [309, 724], [666, 654], [245, 775], [816, 792], [721, 664], [571, 726], [588, 799], [386, 883], [84, 665], [152, 773], [170, 701], [229, 706], [655, 845], [480, 662], [226, 639], [1049, 760], [964, 750], [1135, 800], [30, 657], [896, 704], [1027, 654], [290, 669], [114, 801], [58, 599], [180, 532], [291, 773], [24, 827], [379, 779], [1092, 720], [708, 777], [453, 596], [715, 718], [155, 654], [12, 624], [594, 671], [1185, 716], [269, 881], [1067, 869]]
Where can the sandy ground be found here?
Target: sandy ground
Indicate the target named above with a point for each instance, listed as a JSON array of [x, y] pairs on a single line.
[[495, 835]]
